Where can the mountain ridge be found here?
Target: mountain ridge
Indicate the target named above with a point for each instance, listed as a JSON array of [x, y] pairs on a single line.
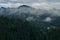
[[24, 6]]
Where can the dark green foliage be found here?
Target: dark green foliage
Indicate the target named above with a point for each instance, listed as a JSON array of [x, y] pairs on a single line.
[[17, 29]]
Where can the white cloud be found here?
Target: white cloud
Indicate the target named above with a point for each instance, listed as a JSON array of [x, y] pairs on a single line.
[[10, 5], [48, 28], [48, 19], [56, 5], [30, 18], [46, 5], [42, 5]]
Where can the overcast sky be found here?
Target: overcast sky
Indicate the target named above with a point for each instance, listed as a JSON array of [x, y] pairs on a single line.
[[34, 3], [26, 1]]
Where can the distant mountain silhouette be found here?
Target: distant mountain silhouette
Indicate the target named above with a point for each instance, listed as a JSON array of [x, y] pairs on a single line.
[[3, 8], [24, 6]]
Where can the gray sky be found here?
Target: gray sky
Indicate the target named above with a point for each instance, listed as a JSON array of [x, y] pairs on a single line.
[[34, 3], [26, 1]]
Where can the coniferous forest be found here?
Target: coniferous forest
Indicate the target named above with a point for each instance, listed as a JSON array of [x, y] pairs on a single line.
[[17, 29]]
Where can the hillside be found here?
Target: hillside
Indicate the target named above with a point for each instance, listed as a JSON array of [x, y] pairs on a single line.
[[27, 23]]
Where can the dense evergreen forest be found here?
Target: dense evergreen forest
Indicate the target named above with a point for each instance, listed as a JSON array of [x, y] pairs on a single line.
[[17, 29]]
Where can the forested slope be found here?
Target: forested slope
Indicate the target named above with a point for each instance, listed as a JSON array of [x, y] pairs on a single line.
[[17, 29]]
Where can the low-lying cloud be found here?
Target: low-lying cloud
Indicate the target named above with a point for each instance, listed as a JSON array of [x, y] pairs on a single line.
[[14, 5], [46, 5], [43, 5]]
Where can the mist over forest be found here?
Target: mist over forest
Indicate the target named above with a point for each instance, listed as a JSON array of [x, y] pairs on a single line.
[[29, 23]]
